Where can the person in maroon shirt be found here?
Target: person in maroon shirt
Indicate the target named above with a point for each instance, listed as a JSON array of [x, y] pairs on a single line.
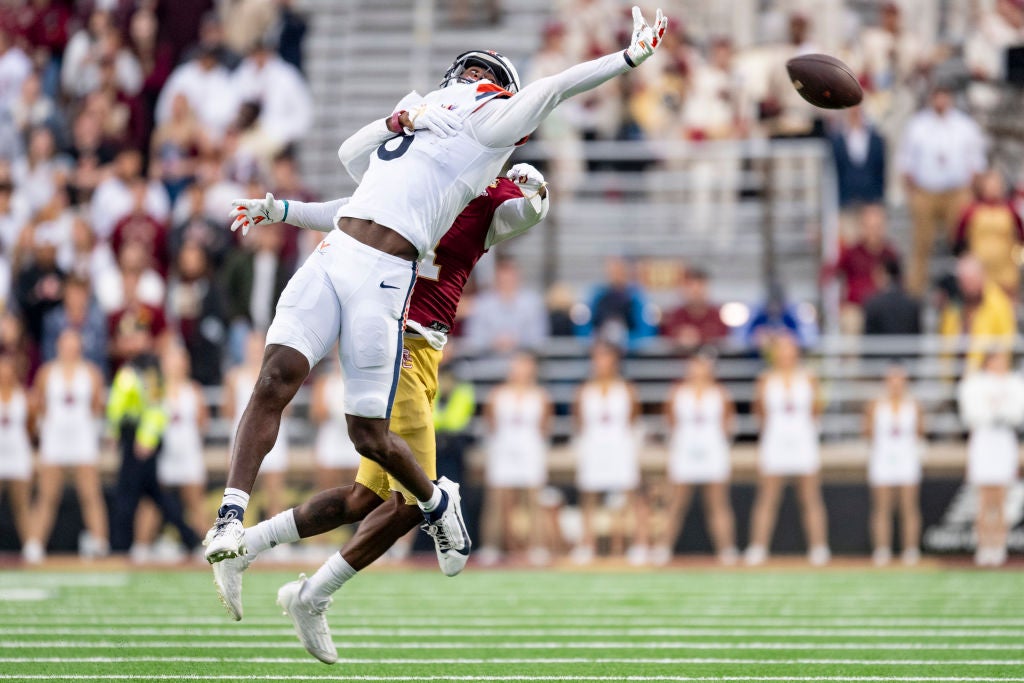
[[140, 226], [136, 328], [697, 322], [508, 207], [858, 264]]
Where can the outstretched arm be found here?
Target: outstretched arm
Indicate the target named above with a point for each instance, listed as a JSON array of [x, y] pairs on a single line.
[[318, 216], [515, 216], [503, 122]]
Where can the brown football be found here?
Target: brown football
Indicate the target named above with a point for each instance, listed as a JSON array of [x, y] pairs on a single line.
[[824, 81]]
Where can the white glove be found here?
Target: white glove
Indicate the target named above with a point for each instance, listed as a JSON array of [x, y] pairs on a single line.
[[646, 38], [529, 179], [433, 117], [249, 212]]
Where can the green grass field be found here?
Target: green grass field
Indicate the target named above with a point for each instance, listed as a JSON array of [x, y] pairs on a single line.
[[672, 625]]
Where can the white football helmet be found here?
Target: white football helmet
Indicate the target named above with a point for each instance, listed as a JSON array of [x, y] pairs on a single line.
[[501, 66]]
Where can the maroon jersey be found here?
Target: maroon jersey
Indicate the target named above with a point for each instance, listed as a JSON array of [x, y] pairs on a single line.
[[445, 270]]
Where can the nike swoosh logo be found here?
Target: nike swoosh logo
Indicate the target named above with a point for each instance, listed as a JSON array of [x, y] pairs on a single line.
[[387, 286]]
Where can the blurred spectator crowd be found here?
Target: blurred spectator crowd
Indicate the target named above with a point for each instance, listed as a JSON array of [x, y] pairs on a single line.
[[126, 128], [917, 148]]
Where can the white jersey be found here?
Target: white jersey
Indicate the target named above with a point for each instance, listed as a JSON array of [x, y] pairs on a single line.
[[181, 458], [992, 407], [606, 449], [334, 448], [698, 448], [69, 433], [418, 184], [277, 459], [438, 176], [789, 439], [895, 447], [15, 449], [517, 450]]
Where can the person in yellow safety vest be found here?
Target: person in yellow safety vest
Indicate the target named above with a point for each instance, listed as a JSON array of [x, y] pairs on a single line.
[[454, 407], [137, 420]]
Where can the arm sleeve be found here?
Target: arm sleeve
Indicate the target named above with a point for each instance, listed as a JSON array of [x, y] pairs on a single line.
[[515, 216], [355, 152], [504, 122], [317, 216]]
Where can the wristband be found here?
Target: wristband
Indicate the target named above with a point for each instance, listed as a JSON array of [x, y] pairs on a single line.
[[284, 218], [394, 123], [625, 54]]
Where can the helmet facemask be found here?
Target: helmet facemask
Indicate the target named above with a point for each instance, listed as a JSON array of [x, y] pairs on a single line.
[[504, 71]]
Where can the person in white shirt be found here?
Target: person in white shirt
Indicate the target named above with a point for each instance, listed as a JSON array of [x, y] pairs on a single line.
[[507, 317], [999, 27], [88, 48], [210, 91], [518, 414], [113, 198], [417, 169], [606, 414], [67, 397], [15, 67], [895, 425], [701, 416], [286, 104], [992, 407], [15, 447], [788, 404], [942, 153]]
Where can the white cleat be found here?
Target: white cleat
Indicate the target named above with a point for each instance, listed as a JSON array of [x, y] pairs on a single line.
[[310, 623], [819, 556], [910, 556], [225, 540], [448, 529], [755, 556], [227, 577], [33, 552]]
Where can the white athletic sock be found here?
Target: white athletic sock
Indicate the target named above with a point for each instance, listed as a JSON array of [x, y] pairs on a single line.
[[233, 504], [278, 529], [317, 590], [435, 500]]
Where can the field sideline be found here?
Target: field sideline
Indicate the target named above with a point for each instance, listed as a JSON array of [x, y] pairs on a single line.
[[672, 625]]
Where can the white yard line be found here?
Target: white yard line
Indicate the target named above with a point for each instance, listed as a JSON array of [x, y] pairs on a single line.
[[205, 677], [532, 645], [550, 619], [503, 633], [516, 660]]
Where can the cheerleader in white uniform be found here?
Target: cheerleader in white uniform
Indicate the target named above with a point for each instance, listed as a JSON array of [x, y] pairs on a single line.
[[605, 413], [992, 407], [788, 404], [68, 398], [336, 457], [15, 448], [701, 416], [238, 387], [895, 427], [180, 464], [518, 415]]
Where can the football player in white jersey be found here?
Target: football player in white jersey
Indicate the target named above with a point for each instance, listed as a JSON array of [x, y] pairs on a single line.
[[417, 170]]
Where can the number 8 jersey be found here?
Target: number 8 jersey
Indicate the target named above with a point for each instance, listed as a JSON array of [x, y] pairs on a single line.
[[418, 184]]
